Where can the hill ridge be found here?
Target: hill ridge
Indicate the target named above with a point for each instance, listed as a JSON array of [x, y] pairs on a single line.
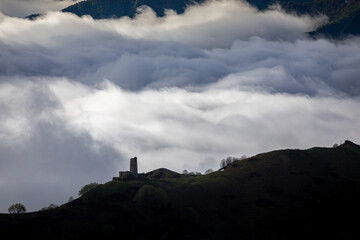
[[272, 194], [343, 15]]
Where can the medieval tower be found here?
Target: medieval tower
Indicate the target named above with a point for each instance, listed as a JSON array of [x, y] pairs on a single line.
[[133, 166]]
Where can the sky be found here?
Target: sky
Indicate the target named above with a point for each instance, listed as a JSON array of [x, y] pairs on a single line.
[[80, 97]]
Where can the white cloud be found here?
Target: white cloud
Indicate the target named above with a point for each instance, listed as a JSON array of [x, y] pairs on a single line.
[[182, 91], [173, 127], [165, 52], [214, 122], [216, 24]]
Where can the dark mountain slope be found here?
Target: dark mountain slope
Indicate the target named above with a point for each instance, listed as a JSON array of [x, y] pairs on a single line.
[[99, 9], [343, 15], [348, 24], [285, 194]]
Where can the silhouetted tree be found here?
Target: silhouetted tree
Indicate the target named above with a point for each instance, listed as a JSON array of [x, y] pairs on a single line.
[[185, 172], [51, 206], [17, 208], [335, 145], [222, 163], [71, 198], [208, 171], [228, 161], [87, 188]]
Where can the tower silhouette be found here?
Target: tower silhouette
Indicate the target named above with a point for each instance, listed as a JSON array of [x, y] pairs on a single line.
[[133, 166]]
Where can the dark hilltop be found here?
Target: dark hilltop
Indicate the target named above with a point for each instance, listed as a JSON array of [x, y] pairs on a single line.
[[284, 194]]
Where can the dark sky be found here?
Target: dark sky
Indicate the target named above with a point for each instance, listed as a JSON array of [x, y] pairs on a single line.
[[79, 98]]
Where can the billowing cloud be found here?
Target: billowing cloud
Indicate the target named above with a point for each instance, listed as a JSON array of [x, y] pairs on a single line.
[[181, 125], [41, 161], [23, 8], [79, 97], [216, 24], [87, 134], [183, 50]]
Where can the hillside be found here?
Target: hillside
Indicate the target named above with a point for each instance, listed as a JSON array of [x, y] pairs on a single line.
[[162, 173], [100, 9], [284, 194], [343, 15]]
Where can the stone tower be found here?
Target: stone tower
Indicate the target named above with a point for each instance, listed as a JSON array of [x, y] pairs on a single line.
[[133, 166]]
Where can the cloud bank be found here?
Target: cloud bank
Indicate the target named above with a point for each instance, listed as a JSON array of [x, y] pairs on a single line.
[[79, 97]]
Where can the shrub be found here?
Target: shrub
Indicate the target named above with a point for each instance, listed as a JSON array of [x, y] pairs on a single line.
[[51, 206], [17, 208], [149, 196], [87, 188]]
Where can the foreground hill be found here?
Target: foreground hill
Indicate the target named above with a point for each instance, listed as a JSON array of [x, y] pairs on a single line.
[[285, 194]]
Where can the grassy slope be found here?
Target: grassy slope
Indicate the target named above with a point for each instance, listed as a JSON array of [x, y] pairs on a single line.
[[281, 195]]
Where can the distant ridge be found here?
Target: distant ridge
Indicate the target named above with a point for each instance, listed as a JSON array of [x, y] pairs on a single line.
[[100, 9], [344, 16]]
